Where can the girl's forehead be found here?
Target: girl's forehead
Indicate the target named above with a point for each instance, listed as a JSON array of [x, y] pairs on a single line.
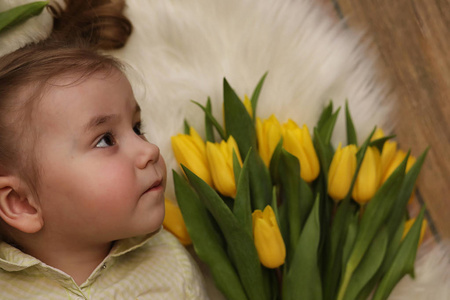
[[94, 95]]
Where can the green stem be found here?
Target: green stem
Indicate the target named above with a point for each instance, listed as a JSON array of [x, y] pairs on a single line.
[[345, 282]]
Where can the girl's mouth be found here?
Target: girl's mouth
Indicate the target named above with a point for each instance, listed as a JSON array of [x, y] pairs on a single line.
[[156, 186]]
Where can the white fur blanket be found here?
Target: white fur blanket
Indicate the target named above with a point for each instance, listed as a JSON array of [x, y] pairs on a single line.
[[184, 48]]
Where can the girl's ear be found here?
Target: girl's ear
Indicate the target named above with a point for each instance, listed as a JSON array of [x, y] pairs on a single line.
[[18, 207]]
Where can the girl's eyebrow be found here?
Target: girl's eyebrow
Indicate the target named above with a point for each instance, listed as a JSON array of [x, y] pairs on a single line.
[[102, 119], [99, 120]]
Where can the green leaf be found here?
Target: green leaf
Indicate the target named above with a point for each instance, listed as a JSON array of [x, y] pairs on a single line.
[[325, 214], [275, 161], [20, 14], [369, 265], [326, 131], [377, 212], [406, 190], [351, 132], [350, 237], [395, 225], [187, 129], [289, 174], [212, 119], [240, 244], [274, 205], [391, 250], [325, 115], [338, 232], [260, 182], [208, 124], [255, 95], [242, 202], [306, 201], [404, 260], [324, 154], [208, 243], [302, 280], [238, 122], [297, 195]]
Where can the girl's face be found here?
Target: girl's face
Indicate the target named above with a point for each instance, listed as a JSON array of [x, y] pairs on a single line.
[[100, 179]]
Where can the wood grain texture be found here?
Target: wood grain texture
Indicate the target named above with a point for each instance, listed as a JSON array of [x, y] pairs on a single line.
[[413, 41]]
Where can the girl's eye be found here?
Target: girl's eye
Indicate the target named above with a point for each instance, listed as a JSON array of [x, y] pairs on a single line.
[[107, 140], [137, 129]]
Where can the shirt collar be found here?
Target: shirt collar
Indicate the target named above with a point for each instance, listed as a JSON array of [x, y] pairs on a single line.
[[12, 259]]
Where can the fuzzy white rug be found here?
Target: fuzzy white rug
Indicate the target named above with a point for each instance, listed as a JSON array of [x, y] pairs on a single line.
[[183, 49]]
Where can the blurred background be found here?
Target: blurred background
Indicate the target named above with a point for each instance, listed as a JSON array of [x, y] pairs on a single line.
[[411, 39]]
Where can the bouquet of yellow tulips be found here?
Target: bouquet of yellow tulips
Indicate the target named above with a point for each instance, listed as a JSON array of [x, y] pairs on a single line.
[[278, 213]]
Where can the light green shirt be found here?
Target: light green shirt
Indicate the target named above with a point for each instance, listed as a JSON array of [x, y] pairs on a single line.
[[147, 267]]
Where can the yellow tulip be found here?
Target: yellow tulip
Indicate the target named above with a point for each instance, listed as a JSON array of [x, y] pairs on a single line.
[[391, 158], [378, 134], [395, 161], [297, 141], [190, 151], [268, 133], [220, 160], [174, 223], [369, 175], [409, 224], [387, 155], [248, 106], [268, 240], [341, 172]]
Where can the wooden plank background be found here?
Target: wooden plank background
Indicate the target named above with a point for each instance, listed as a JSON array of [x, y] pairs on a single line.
[[412, 39]]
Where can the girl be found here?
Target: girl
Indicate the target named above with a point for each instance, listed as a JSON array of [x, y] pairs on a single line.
[[81, 189]]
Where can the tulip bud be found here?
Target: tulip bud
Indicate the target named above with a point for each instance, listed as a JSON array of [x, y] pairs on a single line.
[[341, 172], [368, 178], [174, 223], [391, 159], [387, 155], [190, 151], [220, 159], [268, 134], [378, 134], [409, 224], [396, 160], [268, 240], [298, 142]]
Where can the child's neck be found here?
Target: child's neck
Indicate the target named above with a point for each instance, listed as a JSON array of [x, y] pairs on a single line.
[[75, 260]]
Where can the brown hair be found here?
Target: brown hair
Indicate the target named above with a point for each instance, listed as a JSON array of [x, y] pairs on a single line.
[[101, 23], [80, 30]]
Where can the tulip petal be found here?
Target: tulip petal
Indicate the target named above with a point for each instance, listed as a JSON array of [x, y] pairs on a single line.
[[222, 174], [267, 236], [342, 169], [174, 223], [369, 175]]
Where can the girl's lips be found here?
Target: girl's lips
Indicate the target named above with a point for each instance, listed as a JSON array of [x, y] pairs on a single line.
[[155, 186]]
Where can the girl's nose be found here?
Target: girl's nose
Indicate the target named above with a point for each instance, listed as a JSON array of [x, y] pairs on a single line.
[[148, 153]]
